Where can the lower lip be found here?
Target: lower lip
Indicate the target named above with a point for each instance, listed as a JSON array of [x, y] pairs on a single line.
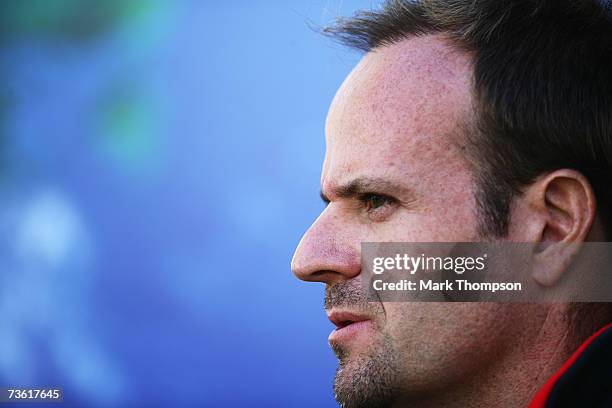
[[350, 331]]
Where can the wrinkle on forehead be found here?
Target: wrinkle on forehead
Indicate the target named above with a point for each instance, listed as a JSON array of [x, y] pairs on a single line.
[[409, 97]]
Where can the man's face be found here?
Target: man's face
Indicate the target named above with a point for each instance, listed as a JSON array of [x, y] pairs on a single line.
[[395, 170]]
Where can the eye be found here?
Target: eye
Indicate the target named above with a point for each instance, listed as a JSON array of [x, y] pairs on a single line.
[[374, 202]]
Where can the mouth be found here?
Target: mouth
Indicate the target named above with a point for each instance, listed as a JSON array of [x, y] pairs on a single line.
[[348, 325]]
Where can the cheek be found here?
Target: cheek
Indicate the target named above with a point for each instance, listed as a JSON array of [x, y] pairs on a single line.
[[440, 342]]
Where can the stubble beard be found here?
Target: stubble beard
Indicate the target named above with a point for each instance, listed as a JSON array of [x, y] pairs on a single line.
[[370, 378]]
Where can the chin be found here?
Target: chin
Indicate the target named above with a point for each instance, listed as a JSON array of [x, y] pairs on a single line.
[[367, 377]]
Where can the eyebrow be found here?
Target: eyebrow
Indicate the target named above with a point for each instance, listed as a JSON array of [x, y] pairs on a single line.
[[362, 185]]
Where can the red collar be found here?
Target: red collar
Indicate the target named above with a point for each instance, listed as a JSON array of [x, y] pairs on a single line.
[[580, 365]]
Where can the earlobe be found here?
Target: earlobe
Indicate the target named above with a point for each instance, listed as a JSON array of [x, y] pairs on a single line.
[[568, 203], [550, 264]]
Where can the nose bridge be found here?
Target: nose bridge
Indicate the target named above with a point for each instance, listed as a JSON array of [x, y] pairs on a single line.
[[328, 251]]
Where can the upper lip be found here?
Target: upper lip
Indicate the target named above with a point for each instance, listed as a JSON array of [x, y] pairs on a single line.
[[342, 318]]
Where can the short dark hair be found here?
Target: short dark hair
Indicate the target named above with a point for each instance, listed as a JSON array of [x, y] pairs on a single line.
[[542, 87]]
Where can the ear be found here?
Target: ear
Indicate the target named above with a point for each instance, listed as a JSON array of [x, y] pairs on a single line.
[[565, 203]]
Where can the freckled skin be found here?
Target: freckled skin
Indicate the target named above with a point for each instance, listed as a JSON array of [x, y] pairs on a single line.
[[396, 116]]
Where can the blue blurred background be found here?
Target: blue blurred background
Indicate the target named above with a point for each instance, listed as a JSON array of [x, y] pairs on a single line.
[[159, 162]]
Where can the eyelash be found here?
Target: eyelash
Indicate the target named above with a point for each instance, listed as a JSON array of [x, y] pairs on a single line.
[[366, 200]]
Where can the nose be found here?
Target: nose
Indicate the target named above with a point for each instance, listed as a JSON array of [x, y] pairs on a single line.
[[328, 251]]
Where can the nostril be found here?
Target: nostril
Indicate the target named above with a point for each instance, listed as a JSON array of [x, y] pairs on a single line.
[[318, 275]]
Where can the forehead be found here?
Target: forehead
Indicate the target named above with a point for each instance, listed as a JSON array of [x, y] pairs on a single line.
[[399, 112]]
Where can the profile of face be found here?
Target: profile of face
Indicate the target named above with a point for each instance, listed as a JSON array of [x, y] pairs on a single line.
[[395, 169]]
